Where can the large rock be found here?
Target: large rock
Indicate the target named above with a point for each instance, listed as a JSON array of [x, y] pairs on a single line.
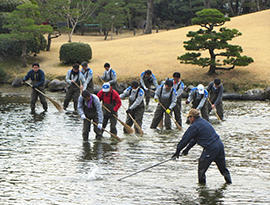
[[57, 85], [17, 82], [46, 83]]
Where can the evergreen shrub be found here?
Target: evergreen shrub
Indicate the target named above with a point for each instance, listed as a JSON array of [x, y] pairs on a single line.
[[75, 52], [3, 75]]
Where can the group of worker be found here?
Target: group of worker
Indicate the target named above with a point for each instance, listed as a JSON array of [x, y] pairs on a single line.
[[103, 107]]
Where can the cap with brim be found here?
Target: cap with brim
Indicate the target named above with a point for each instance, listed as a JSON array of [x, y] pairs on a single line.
[[106, 87], [200, 89]]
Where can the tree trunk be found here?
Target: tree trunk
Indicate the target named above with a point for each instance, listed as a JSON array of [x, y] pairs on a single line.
[[24, 53], [150, 9], [212, 68], [207, 4], [49, 42]]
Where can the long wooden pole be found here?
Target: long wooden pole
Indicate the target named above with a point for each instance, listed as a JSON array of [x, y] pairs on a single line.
[[115, 136], [135, 123], [176, 123], [56, 104], [127, 127], [214, 109]]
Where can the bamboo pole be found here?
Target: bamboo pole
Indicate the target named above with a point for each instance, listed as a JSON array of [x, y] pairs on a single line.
[[135, 123], [126, 126], [214, 109], [56, 104], [114, 135]]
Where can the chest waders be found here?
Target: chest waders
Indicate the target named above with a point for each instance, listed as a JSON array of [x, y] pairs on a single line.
[[35, 94], [213, 94], [137, 113], [90, 85], [148, 82], [72, 93], [90, 113], [158, 115], [107, 115], [177, 109]]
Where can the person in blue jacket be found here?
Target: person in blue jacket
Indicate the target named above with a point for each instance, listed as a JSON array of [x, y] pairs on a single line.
[[38, 78], [202, 132]]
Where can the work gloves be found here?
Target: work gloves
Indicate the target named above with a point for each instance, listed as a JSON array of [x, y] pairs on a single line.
[[112, 113], [34, 86], [168, 111], [187, 102], [99, 126], [145, 88], [156, 100], [83, 116]]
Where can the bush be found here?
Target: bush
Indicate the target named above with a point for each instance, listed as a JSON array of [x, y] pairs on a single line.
[[3, 75], [13, 48], [75, 52]]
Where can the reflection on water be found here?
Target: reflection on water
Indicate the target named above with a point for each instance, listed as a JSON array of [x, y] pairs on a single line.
[[45, 161]]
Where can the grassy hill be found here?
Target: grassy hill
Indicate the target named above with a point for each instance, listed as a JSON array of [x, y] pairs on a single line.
[[130, 55]]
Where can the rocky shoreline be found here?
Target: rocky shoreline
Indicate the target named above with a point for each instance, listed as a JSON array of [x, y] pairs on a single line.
[[16, 87]]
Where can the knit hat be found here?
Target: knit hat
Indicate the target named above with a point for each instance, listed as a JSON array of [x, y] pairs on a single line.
[[106, 87]]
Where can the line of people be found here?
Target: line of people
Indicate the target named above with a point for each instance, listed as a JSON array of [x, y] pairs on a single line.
[[104, 106], [168, 95]]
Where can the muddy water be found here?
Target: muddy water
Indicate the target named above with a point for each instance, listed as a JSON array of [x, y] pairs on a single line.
[[44, 161]]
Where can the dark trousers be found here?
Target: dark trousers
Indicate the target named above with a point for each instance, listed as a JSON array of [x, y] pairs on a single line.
[[73, 93], [215, 152], [34, 96]]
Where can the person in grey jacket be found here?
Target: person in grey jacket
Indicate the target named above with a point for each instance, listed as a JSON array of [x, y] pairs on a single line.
[[109, 75], [198, 96], [215, 90], [88, 75], [147, 79], [89, 108], [136, 104], [167, 96], [73, 78]]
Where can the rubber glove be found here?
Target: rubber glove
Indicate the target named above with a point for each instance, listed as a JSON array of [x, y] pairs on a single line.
[[145, 88], [129, 110], [187, 102], [185, 151], [168, 111], [83, 116], [156, 100]]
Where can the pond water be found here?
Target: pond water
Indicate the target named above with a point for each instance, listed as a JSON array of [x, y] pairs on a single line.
[[44, 160]]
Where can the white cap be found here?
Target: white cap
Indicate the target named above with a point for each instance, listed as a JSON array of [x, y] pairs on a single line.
[[200, 89], [106, 87]]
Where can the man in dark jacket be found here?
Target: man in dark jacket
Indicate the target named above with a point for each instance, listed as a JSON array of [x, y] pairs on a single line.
[[215, 90], [38, 78], [201, 131]]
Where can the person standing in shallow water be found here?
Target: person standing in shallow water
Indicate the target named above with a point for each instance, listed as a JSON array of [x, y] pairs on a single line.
[[215, 90], [38, 78], [88, 75], [202, 132], [147, 79], [73, 78], [89, 108]]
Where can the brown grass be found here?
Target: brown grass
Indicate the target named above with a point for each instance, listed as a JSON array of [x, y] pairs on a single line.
[[130, 55]]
